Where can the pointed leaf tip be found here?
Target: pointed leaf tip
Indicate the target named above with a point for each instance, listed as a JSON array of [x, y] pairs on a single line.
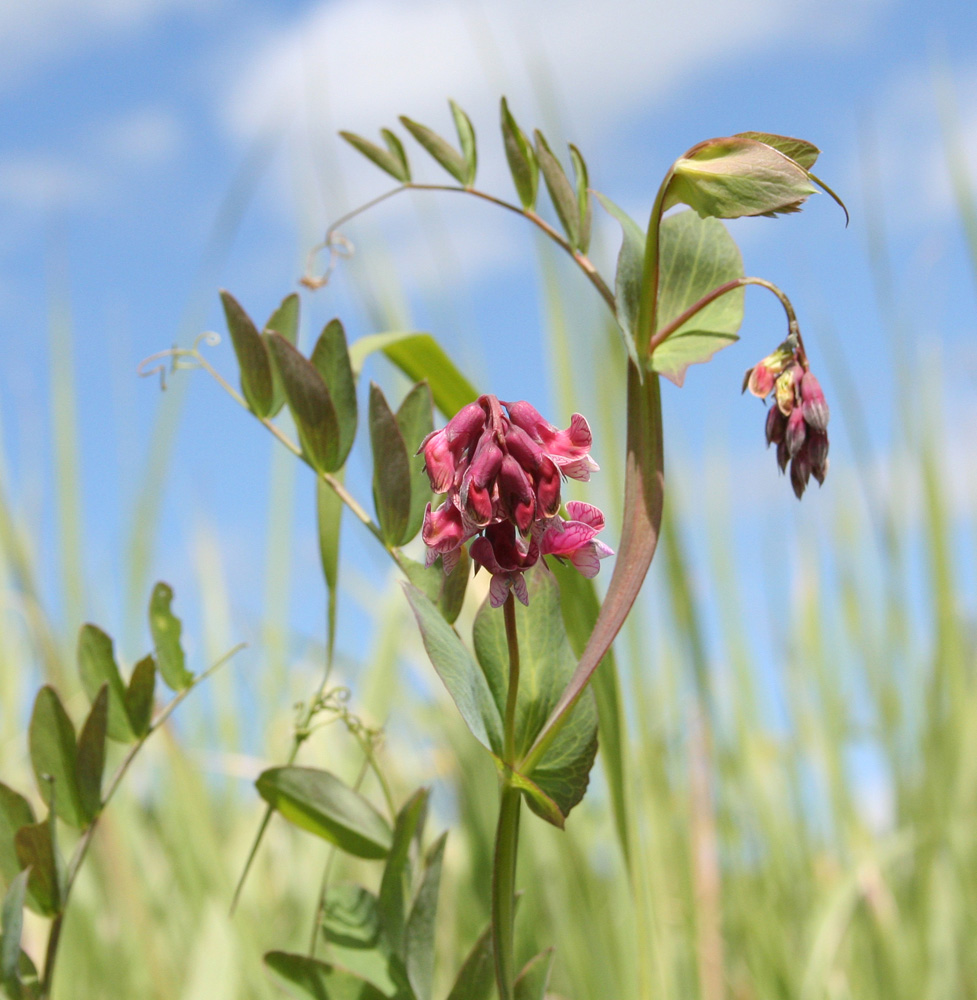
[[519, 153]]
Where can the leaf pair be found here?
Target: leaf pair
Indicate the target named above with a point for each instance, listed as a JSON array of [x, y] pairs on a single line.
[[462, 165], [401, 490], [571, 200], [261, 384], [319, 390], [129, 707], [478, 687]]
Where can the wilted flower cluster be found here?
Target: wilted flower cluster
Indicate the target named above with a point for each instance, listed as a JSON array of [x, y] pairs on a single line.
[[798, 422], [501, 473]]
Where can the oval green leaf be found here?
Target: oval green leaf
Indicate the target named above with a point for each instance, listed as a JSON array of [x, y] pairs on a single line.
[[139, 695], [36, 850], [91, 755], [310, 403], [523, 164], [97, 666], [458, 671], [319, 802], [284, 321], [391, 469], [440, 149], [697, 256], [166, 630], [15, 812], [466, 138], [257, 386], [54, 756], [389, 161], [561, 191], [330, 358], [319, 980]]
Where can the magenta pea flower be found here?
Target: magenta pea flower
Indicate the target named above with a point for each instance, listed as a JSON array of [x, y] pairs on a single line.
[[501, 474], [575, 539]]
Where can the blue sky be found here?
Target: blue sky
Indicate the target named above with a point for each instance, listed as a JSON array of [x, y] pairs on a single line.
[[153, 151]]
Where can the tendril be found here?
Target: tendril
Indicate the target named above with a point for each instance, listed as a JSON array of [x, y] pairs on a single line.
[[339, 247], [181, 359]]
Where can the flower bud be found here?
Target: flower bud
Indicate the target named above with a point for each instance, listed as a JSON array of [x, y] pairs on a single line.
[[783, 455], [816, 450], [800, 472], [813, 403], [516, 494], [547, 484], [443, 529], [776, 425], [479, 478], [795, 433], [527, 452]]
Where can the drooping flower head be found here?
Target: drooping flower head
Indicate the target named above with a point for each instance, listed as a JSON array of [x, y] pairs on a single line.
[[797, 423], [501, 474]]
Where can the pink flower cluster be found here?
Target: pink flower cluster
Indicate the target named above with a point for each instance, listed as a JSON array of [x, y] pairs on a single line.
[[798, 423], [501, 473]]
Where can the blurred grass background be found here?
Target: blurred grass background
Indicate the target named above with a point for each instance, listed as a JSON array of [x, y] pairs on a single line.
[[805, 828]]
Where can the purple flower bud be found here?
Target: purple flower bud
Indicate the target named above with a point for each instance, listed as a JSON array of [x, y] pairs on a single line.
[[795, 433], [547, 483], [516, 494], [800, 473], [776, 425], [783, 455], [527, 452], [444, 449], [479, 478], [813, 403], [443, 529], [816, 450]]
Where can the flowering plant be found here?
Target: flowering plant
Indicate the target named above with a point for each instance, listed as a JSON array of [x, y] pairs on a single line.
[[498, 468]]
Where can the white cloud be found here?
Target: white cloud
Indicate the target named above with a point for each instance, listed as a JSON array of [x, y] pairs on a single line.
[[367, 60], [357, 64], [33, 32], [145, 137], [37, 181]]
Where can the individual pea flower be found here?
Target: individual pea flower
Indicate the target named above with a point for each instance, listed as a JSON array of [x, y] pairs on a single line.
[[575, 539], [761, 378], [797, 423], [501, 472]]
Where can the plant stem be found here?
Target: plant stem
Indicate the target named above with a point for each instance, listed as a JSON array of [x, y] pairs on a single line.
[[512, 640], [666, 331], [581, 259], [507, 832], [504, 890]]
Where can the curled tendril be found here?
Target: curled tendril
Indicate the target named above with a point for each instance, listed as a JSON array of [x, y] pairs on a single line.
[[339, 247], [182, 359]]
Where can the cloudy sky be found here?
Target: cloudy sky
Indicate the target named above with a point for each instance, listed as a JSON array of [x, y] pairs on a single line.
[[153, 151]]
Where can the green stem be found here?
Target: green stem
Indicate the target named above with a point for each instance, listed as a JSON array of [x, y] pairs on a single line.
[[582, 260], [507, 833], [504, 890], [666, 331], [648, 308], [512, 640]]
